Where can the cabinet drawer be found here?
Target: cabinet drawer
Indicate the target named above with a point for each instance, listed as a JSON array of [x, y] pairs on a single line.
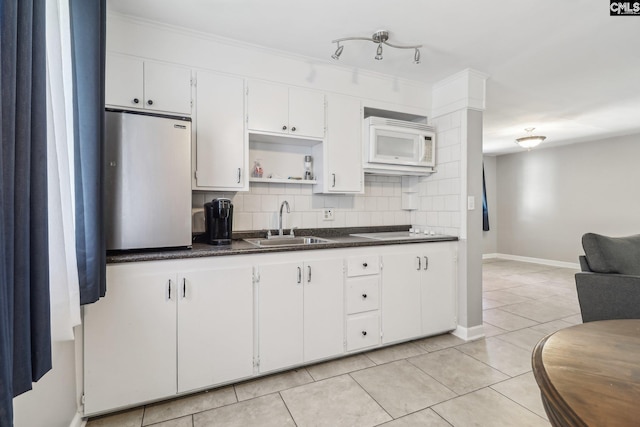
[[363, 294], [362, 265], [363, 331]]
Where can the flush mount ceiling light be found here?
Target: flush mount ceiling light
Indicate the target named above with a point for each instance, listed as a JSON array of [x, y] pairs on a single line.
[[380, 37], [530, 140]]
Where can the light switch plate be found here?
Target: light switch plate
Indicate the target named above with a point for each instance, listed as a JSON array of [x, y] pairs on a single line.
[[471, 203]]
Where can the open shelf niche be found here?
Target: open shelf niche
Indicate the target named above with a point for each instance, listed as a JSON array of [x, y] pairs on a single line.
[[281, 158]]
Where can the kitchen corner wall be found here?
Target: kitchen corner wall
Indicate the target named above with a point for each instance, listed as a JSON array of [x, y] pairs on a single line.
[[258, 208]]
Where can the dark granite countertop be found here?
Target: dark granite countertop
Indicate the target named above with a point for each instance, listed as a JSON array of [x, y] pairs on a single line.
[[340, 238]]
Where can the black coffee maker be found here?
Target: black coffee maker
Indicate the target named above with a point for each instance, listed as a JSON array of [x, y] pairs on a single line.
[[218, 221]]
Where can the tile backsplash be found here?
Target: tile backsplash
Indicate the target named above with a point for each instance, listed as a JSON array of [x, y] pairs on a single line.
[[258, 208]]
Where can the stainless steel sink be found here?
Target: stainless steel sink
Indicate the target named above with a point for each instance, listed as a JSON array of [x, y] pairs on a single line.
[[287, 241]]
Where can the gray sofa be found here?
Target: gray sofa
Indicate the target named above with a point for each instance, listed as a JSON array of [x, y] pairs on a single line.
[[609, 284]]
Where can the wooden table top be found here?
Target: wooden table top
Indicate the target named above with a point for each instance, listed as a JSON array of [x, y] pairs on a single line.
[[589, 374]]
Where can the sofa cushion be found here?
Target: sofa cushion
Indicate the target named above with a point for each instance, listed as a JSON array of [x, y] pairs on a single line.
[[618, 255]]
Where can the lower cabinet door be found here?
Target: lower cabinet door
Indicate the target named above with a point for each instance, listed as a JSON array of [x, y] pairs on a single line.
[[438, 290], [130, 340], [363, 330], [401, 310], [323, 309], [280, 303], [215, 327]]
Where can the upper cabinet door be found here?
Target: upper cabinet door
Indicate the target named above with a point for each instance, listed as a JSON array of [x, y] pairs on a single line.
[[124, 81], [343, 146], [268, 107], [138, 84], [274, 108], [220, 138], [167, 88], [306, 113]]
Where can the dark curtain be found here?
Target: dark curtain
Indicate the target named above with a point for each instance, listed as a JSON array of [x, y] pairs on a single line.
[[485, 206], [25, 334], [88, 26]]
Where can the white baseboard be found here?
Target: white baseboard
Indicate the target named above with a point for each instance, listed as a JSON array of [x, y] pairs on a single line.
[[469, 334], [77, 421], [550, 262], [489, 256]]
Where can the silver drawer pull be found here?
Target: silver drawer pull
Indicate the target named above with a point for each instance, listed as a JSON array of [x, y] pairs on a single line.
[[426, 263], [309, 274], [364, 296], [299, 275], [419, 263]]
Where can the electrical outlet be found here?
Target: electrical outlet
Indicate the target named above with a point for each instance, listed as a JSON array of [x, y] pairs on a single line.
[[327, 214]]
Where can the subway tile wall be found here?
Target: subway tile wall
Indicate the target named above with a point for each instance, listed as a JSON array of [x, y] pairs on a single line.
[[258, 208], [440, 193], [438, 209]]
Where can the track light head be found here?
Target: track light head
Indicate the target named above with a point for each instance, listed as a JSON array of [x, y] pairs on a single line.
[[379, 52], [338, 52]]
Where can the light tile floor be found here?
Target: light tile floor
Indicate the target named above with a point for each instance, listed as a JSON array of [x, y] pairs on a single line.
[[437, 381]]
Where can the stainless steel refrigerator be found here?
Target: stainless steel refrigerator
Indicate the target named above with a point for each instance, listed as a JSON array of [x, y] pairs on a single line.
[[148, 180]]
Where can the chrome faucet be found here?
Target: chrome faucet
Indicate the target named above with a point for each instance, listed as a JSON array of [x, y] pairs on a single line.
[[283, 204]]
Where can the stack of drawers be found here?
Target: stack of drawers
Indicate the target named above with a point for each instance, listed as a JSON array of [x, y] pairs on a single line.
[[362, 287]]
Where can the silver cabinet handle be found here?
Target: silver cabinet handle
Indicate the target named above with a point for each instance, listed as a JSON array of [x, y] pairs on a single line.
[[308, 274], [284, 127], [136, 100], [364, 296], [299, 275], [364, 333], [419, 263], [184, 288], [169, 288], [334, 179], [239, 174], [150, 102], [426, 262], [365, 265], [293, 129]]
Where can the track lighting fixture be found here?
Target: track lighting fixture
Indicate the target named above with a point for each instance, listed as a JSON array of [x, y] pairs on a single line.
[[379, 37]]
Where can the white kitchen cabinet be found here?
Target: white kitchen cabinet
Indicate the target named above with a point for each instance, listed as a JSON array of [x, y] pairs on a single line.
[[215, 326], [134, 83], [342, 150], [130, 339], [401, 313], [220, 143], [282, 110], [300, 312], [166, 327], [418, 292], [438, 289]]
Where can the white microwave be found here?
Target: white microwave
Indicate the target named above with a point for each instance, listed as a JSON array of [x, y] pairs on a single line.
[[398, 147]]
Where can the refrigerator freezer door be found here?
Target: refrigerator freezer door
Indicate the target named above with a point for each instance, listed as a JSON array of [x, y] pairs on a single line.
[[148, 192]]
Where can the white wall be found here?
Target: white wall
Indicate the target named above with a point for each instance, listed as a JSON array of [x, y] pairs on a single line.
[[52, 402], [490, 238], [548, 198]]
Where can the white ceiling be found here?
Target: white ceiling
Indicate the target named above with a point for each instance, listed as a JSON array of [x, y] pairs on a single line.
[[565, 67]]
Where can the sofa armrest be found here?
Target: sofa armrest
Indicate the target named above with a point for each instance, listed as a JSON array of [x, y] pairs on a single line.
[[608, 296]]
